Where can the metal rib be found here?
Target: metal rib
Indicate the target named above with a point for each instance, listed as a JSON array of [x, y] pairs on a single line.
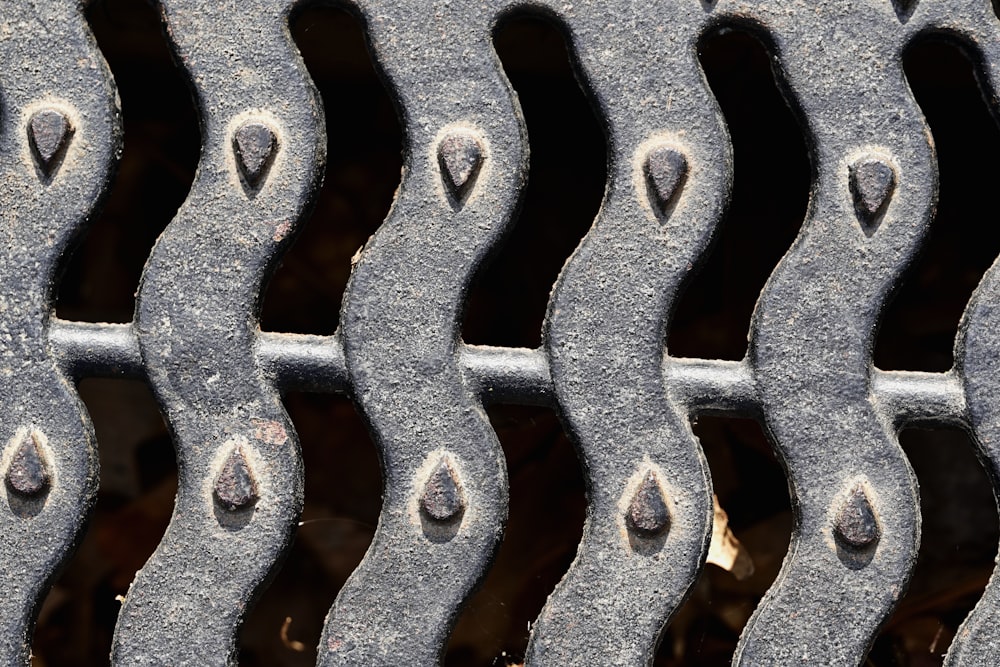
[[649, 513], [59, 145], [857, 521], [445, 499], [240, 470], [300, 362]]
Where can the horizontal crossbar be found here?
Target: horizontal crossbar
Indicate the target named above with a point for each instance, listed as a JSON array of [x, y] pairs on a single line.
[[299, 362]]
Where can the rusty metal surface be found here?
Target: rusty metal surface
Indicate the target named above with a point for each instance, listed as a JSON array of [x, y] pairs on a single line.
[[624, 400]]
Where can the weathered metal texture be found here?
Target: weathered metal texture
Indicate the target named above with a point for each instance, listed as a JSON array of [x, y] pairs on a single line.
[[239, 467], [445, 498], [60, 139], [649, 516], [977, 347], [808, 374], [857, 519]]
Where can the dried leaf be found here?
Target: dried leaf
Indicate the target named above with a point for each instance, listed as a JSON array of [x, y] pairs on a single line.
[[725, 550]]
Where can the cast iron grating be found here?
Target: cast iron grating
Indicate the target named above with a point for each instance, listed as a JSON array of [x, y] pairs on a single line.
[[808, 373]]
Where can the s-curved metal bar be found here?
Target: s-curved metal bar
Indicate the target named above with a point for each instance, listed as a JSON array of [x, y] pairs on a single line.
[[59, 141], [240, 470], [445, 499], [857, 521], [649, 514], [977, 347]]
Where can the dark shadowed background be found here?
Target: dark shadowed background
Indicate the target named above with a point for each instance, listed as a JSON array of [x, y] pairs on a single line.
[[343, 487]]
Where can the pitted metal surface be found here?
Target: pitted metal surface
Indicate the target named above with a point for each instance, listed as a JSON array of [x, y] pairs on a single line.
[[240, 472], [445, 501], [626, 403], [60, 141], [669, 179], [810, 347]]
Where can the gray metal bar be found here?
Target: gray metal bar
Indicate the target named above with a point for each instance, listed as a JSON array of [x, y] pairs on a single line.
[[60, 138], [240, 472], [86, 349], [312, 363], [921, 398]]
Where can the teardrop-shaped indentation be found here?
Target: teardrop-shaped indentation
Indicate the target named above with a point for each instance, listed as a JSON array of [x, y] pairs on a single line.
[[873, 181], [855, 524], [648, 515], [442, 498], [460, 154], [28, 475], [255, 146], [665, 168], [48, 133], [235, 487]]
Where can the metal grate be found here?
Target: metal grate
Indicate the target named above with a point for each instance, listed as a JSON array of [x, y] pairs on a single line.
[[808, 374]]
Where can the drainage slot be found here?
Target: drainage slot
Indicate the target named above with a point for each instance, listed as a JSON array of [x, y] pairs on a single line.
[[545, 524], [565, 185], [343, 497], [957, 549], [135, 501], [770, 191], [161, 149], [364, 143], [918, 328], [752, 490]]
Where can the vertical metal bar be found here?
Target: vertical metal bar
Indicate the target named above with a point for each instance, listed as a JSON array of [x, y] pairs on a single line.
[[649, 515], [445, 497], [857, 521], [240, 471], [59, 142]]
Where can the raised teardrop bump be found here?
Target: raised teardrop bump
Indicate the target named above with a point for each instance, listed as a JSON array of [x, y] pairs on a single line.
[[236, 487], [254, 144], [460, 155], [873, 181], [28, 474], [442, 499], [648, 514], [855, 524], [49, 131], [665, 169]]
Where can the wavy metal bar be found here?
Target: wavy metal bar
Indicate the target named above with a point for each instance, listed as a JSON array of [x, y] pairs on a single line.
[[60, 140], [649, 514], [857, 521], [625, 402], [445, 499], [240, 470], [977, 347]]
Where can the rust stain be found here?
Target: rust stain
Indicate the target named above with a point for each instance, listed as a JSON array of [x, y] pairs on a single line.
[[271, 432], [281, 231]]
